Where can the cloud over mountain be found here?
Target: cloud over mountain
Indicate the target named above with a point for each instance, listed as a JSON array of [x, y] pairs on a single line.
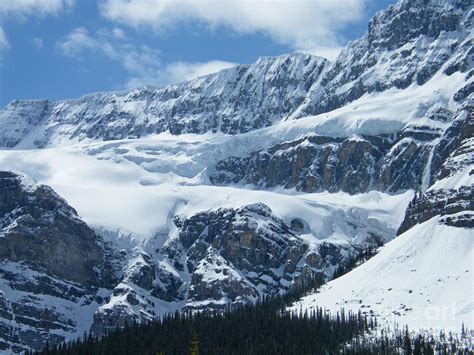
[[310, 25]]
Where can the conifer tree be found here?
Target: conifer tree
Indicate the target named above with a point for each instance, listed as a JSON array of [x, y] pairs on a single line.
[[194, 345]]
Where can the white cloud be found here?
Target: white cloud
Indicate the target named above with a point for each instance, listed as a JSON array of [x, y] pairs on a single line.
[[302, 24], [24, 8], [38, 42], [4, 44], [118, 33], [77, 41], [137, 59], [181, 71], [140, 61]]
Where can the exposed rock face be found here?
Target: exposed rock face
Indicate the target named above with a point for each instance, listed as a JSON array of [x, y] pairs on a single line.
[[222, 257], [455, 206], [453, 161], [150, 287], [237, 255], [311, 164], [455, 150], [46, 253], [407, 43], [36, 308], [355, 165], [41, 229], [235, 100], [359, 164], [23, 116]]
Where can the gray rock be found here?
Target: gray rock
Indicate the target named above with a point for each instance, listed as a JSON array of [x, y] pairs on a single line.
[[41, 229]]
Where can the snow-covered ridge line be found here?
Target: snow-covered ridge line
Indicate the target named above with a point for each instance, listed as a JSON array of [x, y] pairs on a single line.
[[405, 45], [234, 100]]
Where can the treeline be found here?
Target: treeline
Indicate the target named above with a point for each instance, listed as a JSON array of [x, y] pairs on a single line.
[[402, 342], [262, 328], [355, 260], [249, 329]]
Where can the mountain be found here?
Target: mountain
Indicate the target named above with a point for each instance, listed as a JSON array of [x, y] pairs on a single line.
[[422, 278], [233, 101], [60, 278], [52, 266], [406, 44], [248, 183]]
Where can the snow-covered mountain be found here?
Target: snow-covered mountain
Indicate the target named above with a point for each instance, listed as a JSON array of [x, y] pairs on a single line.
[[233, 101], [406, 44], [424, 277], [246, 183]]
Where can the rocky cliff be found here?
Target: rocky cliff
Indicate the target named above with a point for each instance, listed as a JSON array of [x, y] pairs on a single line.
[[52, 265], [235, 100]]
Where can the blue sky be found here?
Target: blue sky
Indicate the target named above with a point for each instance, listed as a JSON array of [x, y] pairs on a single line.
[[57, 49]]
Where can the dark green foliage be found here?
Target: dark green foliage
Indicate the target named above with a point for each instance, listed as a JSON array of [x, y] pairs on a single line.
[[261, 328], [355, 260], [251, 329]]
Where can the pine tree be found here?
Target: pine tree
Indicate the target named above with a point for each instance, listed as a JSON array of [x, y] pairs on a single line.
[[194, 345], [407, 342]]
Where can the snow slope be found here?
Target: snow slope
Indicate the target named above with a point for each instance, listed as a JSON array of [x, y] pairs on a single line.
[[119, 191], [142, 182], [423, 279]]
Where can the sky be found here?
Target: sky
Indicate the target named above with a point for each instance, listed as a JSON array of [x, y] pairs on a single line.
[[60, 49]]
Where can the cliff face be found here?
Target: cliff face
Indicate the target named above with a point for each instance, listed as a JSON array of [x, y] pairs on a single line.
[[356, 164], [235, 100], [41, 229], [48, 257], [405, 44], [410, 159], [452, 168]]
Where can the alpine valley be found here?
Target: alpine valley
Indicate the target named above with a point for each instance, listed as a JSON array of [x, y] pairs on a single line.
[[121, 207]]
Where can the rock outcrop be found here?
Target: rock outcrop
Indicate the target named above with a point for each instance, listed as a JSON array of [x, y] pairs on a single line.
[[452, 194], [225, 257], [356, 164], [52, 265], [405, 44], [40, 229], [235, 100]]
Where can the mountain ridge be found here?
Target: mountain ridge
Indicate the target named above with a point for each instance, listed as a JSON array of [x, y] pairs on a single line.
[[299, 84]]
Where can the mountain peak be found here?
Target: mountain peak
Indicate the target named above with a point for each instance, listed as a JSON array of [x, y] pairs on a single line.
[[408, 19]]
